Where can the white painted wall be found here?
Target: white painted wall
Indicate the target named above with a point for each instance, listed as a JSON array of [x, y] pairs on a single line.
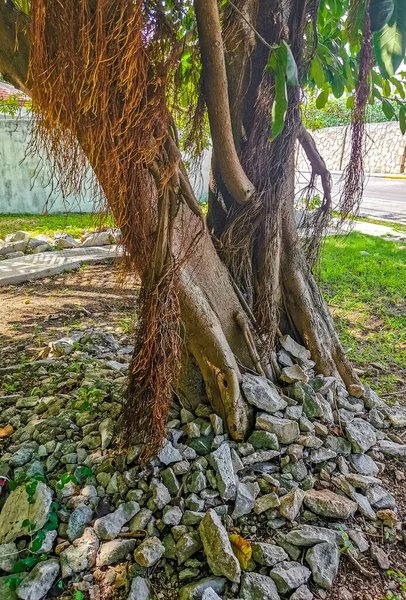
[[26, 182]]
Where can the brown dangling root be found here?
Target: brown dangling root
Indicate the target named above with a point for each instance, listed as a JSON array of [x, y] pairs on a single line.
[[351, 196], [99, 91]]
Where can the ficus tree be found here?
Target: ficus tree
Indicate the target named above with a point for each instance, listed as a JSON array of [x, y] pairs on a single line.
[[113, 83]]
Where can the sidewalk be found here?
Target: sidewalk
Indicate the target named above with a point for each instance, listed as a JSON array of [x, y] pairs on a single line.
[[36, 266]]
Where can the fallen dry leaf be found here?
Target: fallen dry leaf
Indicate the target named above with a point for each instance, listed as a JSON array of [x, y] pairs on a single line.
[[6, 431]]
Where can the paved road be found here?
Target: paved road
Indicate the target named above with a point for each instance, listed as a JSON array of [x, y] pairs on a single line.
[[383, 198]]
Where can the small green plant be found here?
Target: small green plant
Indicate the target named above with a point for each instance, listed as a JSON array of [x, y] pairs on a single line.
[[399, 577], [11, 387], [79, 595], [37, 391], [87, 398], [71, 478], [348, 545]]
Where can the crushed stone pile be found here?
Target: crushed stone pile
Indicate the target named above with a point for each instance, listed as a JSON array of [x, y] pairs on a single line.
[[208, 518], [22, 242]]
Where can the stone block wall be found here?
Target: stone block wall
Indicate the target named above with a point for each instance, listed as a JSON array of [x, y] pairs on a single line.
[[385, 148]]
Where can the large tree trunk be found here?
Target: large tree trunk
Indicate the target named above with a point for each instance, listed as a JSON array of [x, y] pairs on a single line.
[[223, 318]]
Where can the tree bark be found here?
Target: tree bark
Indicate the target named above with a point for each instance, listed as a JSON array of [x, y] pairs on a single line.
[[217, 327]]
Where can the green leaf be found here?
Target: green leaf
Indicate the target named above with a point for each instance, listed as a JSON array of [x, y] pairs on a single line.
[[317, 71], [291, 66], [390, 41], [280, 104], [322, 98], [388, 109], [399, 86], [79, 595], [350, 102], [386, 89], [380, 12], [402, 119], [337, 85]]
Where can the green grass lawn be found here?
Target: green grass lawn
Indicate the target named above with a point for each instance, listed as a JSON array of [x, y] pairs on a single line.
[[367, 295], [74, 223]]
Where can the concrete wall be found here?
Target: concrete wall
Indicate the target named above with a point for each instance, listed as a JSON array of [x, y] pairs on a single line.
[[26, 182], [385, 148]]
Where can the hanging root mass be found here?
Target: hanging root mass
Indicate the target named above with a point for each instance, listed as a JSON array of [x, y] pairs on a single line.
[[100, 71]]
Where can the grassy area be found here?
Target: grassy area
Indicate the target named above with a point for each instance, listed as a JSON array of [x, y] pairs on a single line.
[[74, 223], [367, 295]]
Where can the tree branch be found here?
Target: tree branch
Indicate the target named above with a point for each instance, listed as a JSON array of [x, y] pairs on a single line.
[[14, 47], [318, 165], [216, 92]]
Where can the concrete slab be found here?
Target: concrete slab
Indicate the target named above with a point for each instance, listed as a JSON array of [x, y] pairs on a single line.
[[36, 266]]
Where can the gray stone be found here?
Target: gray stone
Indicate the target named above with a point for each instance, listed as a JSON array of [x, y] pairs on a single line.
[[216, 544], [390, 448], [309, 535], [171, 481], [245, 499], [140, 590], [187, 545], [294, 348], [364, 464], [263, 440], [81, 555], [195, 590], [291, 503], [266, 502], [303, 593], [168, 454], [210, 594], [286, 431], [379, 497], [268, 555], [361, 435], [141, 520], [258, 587], [17, 509], [292, 374], [380, 556], [108, 527], [323, 560], [20, 246], [99, 238], [78, 520], [160, 494], [21, 457], [322, 455], [315, 406], [114, 551], [149, 552], [262, 394], [106, 429], [8, 557], [329, 504], [65, 240], [172, 515], [260, 457], [359, 539], [39, 581], [338, 444], [221, 461], [289, 575]]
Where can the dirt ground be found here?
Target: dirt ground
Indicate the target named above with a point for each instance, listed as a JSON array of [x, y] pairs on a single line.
[[35, 313]]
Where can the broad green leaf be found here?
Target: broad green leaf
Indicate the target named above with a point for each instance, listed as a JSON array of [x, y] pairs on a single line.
[[399, 86], [289, 61], [390, 41], [380, 12], [317, 71], [388, 109], [402, 119], [321, 99], [386, 89], [280, 105], [337, 86], [350, 102]]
